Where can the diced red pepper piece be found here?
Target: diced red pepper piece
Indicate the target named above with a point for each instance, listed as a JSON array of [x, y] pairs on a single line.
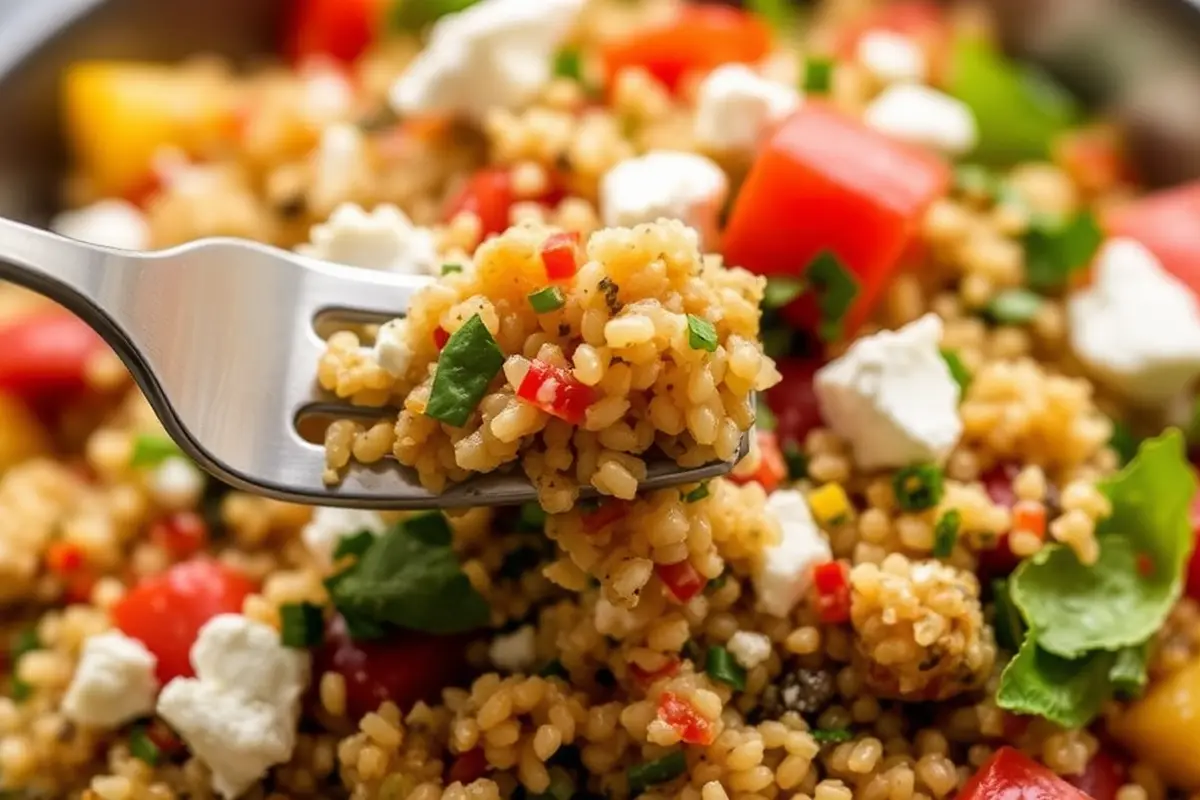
[[1193, 570], [45, 356], [793, 400], [182, 534], [606, 514], [832, 582], [999, 561], [923, 22], [861, 194], [559, 256], [440, 337], [1165, 222], [165, 739], [1012, 775], [772, 469], [468, 767], [64, 558], [489, 195], [1094, 158], [646, 678], [556, 391], [340, 29], [687, 722], [682, 580], [1102, 777], [1029, 517], [697, 39]]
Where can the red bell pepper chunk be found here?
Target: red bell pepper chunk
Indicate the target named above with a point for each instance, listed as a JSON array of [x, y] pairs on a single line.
[[1094, 158], [559, 256], [832, 582], [340, 29], [687, 722], [697, 39], [772, 469], [921, 21], [182, 534], [1166, 223], [608, 512], [556, 391], [1012, 775], [44, 356], [489, 195], [682, 580], [861, 196], [793, 400], [64, 558], [440, 337], [1102, 777]]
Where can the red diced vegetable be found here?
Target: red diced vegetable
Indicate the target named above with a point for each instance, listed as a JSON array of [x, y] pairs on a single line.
[[440, 337], [468, 767], [697, 39], [1029, 517], [682, 580], [45, 356], [1165, 222], [793, 400], [772, 469], [646, 678], [1012, 775], [609, 512], [559, 256], [923, 22], [1102, 777], [182, 534], [687, 722], [64, 558], [832, 582], [340, 29], [165, 739], [1094, 158], [1193, 570], [489, 195], [860, 193], [556, 391]]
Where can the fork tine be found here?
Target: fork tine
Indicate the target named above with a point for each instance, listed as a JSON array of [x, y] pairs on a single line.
[[329, 287]]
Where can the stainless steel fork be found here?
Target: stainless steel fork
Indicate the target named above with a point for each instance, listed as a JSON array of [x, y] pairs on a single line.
[[220, 336]]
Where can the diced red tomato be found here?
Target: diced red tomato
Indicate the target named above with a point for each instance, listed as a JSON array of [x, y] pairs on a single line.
[[772, 469], [341, 29], [165, 612], [860, 193], [682, 580], [440, 337], [793, 400], [165, 739], [556, 391], [646, 678], [1102, 777], [832, 583], [923, 22], [182, 534], [467, 767], [64, 558], [1193, 570], [1094, 158], [559, 256], [403, 668], [697, 39], [1029, 517], [1165, 222], [1012, 775], [489, 195], [608, 512], [687, 722], [43, 357]]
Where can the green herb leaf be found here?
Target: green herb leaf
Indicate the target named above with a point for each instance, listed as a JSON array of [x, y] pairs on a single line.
[[354, 545], [533, 516], [413, 15], [836, 288], [1056, 249], [797, 462], [302, 625], [818, 75], [958, 370], [450, 268], [1067, 692], [24, 642], [717, 583], [918, 487], [832, 735], [1006, 619], [660, 770], [142, 747], [569, 64], [469, 361], [721, 666], [1123, 442], [781, 290], [543, 301], [945, 533], [1128, 673], [779, 14], [410, 577], [20, 691], [699, 493], [1014, 307], [150, 450], [701, 334]]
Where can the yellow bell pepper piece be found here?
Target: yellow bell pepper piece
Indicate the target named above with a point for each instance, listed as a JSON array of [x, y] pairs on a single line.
[[1163, 727], [829, 504]]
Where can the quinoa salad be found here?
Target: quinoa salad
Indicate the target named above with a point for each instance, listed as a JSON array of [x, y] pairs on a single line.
[[923, 283]]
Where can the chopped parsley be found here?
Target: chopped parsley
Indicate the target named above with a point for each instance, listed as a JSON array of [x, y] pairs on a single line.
[[958, 370], [832, 735], [554, 669], [302, 625], [610, 291], [517, 562], [699, 493], [721, 666], [781, 290], [533, 516], [1055, 249], [660, 770], [468, 363], [1014, 307], [701, 334], [450, 268], [945, 533], [546, 300], [818, 75], [836, 288], [797, 462], [150, 450], [568, 63], [918, 487]]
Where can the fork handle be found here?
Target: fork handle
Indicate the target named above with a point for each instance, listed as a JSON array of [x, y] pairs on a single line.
[[65, 270]]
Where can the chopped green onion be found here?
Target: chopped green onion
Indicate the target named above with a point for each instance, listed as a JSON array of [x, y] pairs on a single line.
[[836, 289], [569, 64], [1014, 307], [660, 770], [150, 450], [945, 533], [142, 747], [958, 370], [781, 290], [302, 625], [764, 417], [701, 334], [465, 368], [546, 300], [779, 14], [20, 690], [1006, 620], [1057, 248], [554, 669], [699, 493], [412, 15], [1124, 442], [918, 487], [717, 583], [354, 545], [797, 462], [449, 268], [533, 516], [976, 180], [830, 735], [721, 666], [818, 75]]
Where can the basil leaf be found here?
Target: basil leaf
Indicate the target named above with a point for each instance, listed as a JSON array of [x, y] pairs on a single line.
[[1128, 673], [781, 290], [354, 545], [1056, 249], [467, 364], [1014, 307], [1067, 692], [151, 450], [701, 334], [958, 371], [836, 288]]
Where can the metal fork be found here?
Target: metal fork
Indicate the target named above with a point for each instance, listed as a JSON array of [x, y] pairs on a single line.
[[220, 336]]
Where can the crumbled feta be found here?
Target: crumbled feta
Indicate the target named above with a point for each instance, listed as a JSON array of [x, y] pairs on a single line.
[[340, 167], [516, 651], [111, 223], [923, 116], [785, 573], [114, 682], [494, 54], [239, 714], [665, 183], [892, 397], [891, 57], [1136, 327], [329, 526], [382, 239], [735, 106], [176, 484], [749, 648], [328, 92]]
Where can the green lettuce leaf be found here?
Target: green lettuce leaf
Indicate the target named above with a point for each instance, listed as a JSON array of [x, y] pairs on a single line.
[[1069, 692], [1128, 673]]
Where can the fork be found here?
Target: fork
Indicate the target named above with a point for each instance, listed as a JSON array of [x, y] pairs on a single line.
[[220, 335]]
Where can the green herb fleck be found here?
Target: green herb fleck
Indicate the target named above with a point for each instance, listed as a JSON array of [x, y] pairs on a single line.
[[611, 294], [818, 75], [721, 666], [832, 735], [945, 533], [797, 462], [546, 300], [1056, 249], [554, 669], [450, 268], [958, 370], [354, 545], [781, 290], [142, 747], [836, 288], [717, 583], [20, 691], [533, 516], [568, 63], [467, 364], [25, 641], [413, 15], [1014, 307], [779, 14], [918, 487], [701, 334], [302, 625], [150, 450], [660, 770], [699, 493]]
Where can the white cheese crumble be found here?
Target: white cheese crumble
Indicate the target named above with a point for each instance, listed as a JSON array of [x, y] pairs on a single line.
[[891, 57], [392, 349], [892, 397], [176, 484], [494, 54], [516, 651], [339, 167], [330, 525], [665, 183], [110, 223], [785, 573], [1136, 327], [749, 648], [735, 106], [113, 683], [239, 714], [923, 116], [384, 238]]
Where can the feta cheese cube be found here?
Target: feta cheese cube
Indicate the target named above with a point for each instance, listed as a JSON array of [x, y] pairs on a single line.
[[516, 651], [892, 397], [384, 239], [1136, 327], [494, 54], [749, 648], [891, 57], [665, 184], [111, 223], [113, 683], [176, 484], [392, 349], [329, 526], [239, 714], [735, 106], [785, 573], [923, 116]]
